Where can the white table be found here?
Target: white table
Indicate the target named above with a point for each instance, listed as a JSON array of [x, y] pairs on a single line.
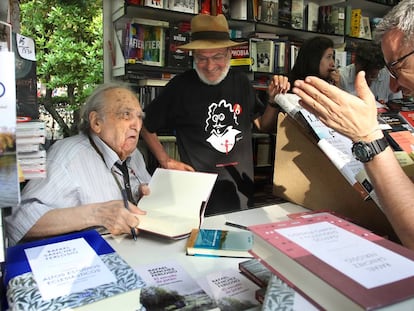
[[150, 248]]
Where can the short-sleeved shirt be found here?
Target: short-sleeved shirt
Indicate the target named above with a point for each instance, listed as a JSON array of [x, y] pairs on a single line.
[[380, 87], [213, 127]]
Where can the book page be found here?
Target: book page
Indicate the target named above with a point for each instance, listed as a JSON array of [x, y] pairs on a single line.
[[67, 267], [173, 205], [365, 262]]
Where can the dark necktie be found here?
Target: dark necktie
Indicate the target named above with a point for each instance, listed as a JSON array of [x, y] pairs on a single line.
[[124, 169]]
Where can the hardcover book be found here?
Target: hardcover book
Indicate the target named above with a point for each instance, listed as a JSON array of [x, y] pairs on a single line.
[[224, 243], [168, 286], [176, 202], [188, 6], [339, 265], [176, 57], [270, 11], [256, 271], [76, 271], [265, 55]]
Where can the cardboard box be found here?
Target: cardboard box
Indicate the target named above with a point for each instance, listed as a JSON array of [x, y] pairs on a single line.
[[304, 175]]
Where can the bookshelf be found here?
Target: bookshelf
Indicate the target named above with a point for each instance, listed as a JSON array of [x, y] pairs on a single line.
[[118, 12]]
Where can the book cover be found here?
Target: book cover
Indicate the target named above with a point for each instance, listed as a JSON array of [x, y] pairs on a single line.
[[297, 14], [230, 289], [168, 286], [154, 45], [338, 264], [238, 9], [215, 242], [188, 6], [176, 202], [265, 55], [134, 43], [285, 13], [403, 141], [312, 16], [408, 117], [240, 56], [270, 11], [154, 3], [280, 296], [356, 15], [70, 272], [176, 57]]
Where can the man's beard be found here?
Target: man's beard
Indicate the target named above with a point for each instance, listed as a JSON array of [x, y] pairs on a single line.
[[218, 80]]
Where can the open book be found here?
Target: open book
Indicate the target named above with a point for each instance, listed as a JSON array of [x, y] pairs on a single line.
[[176, 202]]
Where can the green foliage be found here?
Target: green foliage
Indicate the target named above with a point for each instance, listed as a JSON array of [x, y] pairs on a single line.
[[69, 47]]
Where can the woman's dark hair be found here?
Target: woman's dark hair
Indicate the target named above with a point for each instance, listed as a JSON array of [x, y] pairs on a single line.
[[309, 57]]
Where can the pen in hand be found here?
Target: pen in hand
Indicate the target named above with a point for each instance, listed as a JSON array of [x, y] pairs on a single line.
[[126, 204]]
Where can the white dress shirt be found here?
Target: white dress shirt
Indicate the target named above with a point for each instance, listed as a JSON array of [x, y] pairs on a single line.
[[380, 87], [76, 175]]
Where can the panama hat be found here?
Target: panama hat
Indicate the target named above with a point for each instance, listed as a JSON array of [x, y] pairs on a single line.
[[209, 32]]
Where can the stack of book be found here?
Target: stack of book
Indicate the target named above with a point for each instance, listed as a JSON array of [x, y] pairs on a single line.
[[30, 138], [336, 264]]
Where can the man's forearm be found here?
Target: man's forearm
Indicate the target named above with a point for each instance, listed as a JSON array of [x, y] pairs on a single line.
[[395, 191]]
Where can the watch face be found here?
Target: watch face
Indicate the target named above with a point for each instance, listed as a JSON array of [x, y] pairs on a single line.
[[362, 152]]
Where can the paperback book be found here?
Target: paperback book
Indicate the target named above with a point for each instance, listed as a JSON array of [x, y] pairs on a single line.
[[223, 243], [231, 290], [168, 286], [79, 271]]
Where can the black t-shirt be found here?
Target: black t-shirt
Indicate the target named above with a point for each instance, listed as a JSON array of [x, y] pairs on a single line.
[[213, 127]]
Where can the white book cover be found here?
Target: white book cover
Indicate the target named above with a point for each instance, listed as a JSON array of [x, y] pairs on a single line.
[[168, 286], [176, 202], [231, 290]]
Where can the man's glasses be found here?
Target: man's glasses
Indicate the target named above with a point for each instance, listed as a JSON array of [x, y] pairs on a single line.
[[217, 59], [390, 66]]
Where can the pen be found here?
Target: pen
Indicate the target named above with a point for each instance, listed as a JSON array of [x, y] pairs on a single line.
[[227, 223], [126, 204]]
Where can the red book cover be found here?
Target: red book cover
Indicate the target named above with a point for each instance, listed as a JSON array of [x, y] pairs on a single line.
[[339, 265], [408, 116]]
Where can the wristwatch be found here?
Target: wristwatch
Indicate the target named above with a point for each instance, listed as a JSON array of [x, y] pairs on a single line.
[[365, 152]]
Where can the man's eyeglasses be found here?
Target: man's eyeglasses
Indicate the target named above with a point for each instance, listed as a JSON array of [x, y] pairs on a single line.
[[128, 115], [217, 59], [390, 66]]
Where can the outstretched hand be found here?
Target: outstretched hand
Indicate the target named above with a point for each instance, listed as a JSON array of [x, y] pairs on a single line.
[[354, 117], [177, 165]]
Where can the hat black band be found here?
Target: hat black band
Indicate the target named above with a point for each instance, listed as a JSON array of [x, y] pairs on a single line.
[[210, 35]]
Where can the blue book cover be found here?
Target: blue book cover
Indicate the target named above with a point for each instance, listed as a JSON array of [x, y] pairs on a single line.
[[22, 289], [215, 242]]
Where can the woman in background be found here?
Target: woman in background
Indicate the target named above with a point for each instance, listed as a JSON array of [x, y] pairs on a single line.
[[316, 57]]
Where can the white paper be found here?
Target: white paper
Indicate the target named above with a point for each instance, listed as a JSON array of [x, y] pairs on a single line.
[[363, 261], [67, 267], [25, 47]]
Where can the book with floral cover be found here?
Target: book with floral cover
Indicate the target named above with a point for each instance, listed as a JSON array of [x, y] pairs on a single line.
[[79, 271]]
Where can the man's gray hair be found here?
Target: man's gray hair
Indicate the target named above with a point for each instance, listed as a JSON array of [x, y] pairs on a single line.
[[400, 17], [96, 102]]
